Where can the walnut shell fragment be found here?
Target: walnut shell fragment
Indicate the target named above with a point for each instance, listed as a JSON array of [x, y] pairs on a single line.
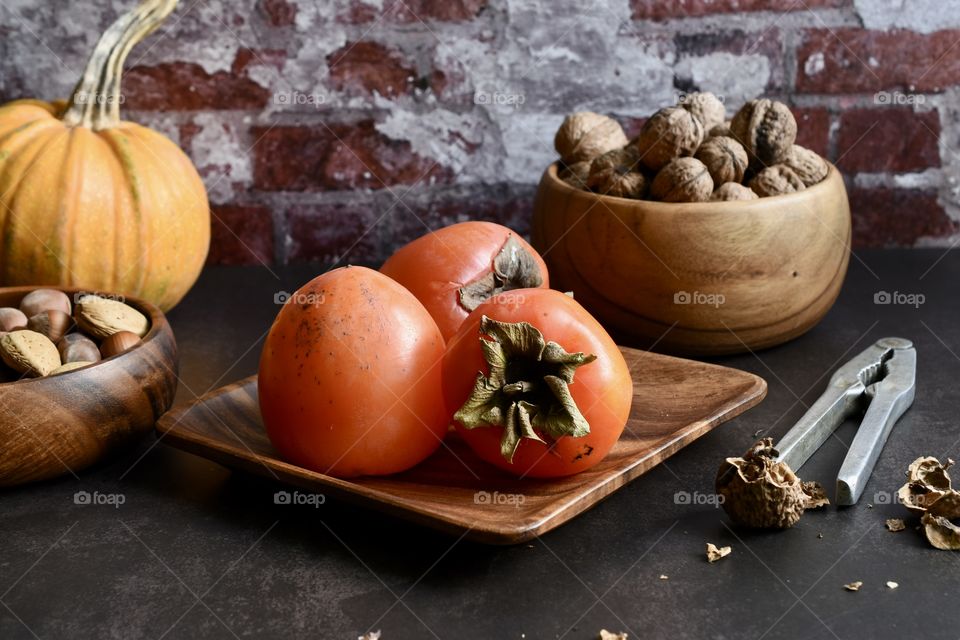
[[760, 492], [726, 159], [670, 133], [707, 107], [927, 482], [610, 635], [617, 173], [683, 180], [586, 135], [715, 553], [767, 130], [775, 181], [733, 191]]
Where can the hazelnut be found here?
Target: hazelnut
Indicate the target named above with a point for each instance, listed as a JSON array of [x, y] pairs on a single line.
[[29, 352], [775, 181], [576, 174], [762, 493], [706, 107], [669, 134], [12, 319], [76, 347], [726, 159], [617, 173], [807, 164], [683, 180], [767, 130], [585, 135], [733, 191], [41, 300], [100, 317], [118, 343], [52, 323]]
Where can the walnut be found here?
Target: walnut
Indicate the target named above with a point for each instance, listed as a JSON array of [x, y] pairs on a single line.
[[669, 133], [927, 482], [776, 180], [707, 107], [762, 493], [726, 159], [807, 164], [722, 129], [576, 174], [767, 130], [733, 191], [683, 180], [585, 135], [617, 173]]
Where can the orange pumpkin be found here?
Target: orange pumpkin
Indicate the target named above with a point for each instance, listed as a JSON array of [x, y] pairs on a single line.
[[90, 201]]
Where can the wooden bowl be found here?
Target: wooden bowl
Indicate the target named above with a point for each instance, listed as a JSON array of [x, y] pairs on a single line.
[[61, 424], [703, 278]]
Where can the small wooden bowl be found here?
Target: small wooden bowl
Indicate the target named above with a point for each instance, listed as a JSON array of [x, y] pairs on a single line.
[[704, 278], [64, 423]]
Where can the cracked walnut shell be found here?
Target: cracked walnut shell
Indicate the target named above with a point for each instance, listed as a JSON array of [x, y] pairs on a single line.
[[707, 107], [683, 180], [767, 130], [726, 159], [586, 135], [760, 492], [669, 134], [775, 181], [617, 173]]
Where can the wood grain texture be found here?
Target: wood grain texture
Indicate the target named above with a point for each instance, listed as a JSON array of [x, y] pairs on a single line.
[[62, 424], [675, 402], [778, 262]]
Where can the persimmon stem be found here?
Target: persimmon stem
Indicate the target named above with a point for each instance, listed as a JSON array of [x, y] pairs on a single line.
[[95, 101], [527, 390], [513, 268]]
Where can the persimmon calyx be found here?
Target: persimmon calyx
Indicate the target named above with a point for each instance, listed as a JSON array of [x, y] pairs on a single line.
[[527, 390], [513, 268]]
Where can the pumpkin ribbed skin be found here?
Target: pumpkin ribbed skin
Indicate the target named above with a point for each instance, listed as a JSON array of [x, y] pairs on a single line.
[[118, 209]]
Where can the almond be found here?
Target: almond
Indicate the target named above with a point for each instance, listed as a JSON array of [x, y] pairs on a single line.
[[29, 352], [101, 317]]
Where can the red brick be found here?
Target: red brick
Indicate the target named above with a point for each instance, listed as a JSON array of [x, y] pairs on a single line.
[[813, 128], [279, 13], [334, 234], [185, 86], [368, 67], [336, 156], [896, 140], [863, 61], [661, 10], [414, 11], [897, 217], [241, 235]]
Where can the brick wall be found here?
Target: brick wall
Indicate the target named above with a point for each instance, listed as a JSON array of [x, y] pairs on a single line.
[[336, 130]]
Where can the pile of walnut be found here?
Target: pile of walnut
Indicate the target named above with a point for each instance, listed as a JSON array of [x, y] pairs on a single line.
[[39, 338], [690, 153], [929, 493], [760, 492]]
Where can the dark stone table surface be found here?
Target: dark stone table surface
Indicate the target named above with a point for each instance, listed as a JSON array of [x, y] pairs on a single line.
[[189, 549]]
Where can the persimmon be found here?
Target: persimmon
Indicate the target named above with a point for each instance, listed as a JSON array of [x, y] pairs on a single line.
[[452, 270], [350, 376], [535, 385]]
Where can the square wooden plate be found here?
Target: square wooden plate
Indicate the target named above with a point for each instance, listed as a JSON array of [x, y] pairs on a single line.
[[675, 402]]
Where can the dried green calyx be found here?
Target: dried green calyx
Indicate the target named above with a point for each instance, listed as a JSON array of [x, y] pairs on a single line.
[[513, 268], [527, 391]]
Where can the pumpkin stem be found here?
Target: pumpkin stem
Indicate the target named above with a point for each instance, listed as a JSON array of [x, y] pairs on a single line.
[[527, 390], [95, 102]]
